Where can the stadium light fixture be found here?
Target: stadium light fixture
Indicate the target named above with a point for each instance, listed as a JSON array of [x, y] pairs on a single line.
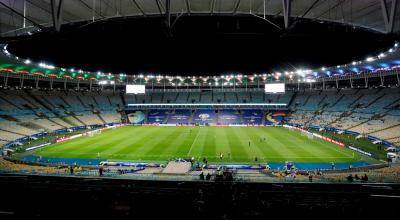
[[323, 68], [396, 44], [354, 63], [381, 55], [390, 50], [369, 59], [27, 61]]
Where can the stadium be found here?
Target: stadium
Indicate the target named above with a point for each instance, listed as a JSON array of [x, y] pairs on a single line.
[[225, 109]]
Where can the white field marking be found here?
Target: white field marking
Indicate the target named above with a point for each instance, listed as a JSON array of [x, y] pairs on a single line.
[[173, 155], [191, 146]]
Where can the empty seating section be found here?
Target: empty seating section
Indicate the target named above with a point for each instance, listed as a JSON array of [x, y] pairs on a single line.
[[373, 112], [172, 97], [102, 100], [389, 133], [205, 97], [218, 97], [29, 112], [313, 101], [184, 97], [131, 99], [386, 97], [229, 116], [61, 122], [243, 97], [111, 116], [157, 97], [272, 98], [285, 98], [349, 97], [300, 100], [115, 100], [367, 97], [231, 97], [194, 97], [89, 118], [368, 111]]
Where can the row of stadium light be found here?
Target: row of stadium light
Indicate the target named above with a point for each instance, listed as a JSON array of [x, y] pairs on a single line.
[[301, 75]]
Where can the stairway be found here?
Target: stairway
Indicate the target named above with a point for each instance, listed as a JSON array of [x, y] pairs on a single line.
[[10, 102], [338, 100], [384, 128], [83, 123], [65, 101], [123, 99], [291, 99], [13, 132], [374, 100], [101, 118], [56, 123], [322, 100], [305, 103], [95, 101]]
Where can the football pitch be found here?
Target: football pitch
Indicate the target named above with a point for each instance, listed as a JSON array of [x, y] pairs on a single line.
[[238, 144]]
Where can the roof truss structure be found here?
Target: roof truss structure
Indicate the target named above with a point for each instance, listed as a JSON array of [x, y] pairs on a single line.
[[21, 16]]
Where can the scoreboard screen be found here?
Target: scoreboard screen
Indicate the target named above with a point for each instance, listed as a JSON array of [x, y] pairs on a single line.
[[275, 88], [135, 89]]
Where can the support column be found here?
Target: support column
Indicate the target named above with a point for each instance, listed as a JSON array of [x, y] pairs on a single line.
[[37, 82], [6, 80], [168, 12], [398, 79], [65, 84], [366, 81], [298, 85], [389, 18], [337, 83], [24, 21], [286, 11], [21, 80], [93, 10], [56, 12], [381, 78], [351, 82], [51, 83]]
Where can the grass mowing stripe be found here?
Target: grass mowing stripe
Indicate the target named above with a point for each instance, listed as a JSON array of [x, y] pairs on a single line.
[[258, 142], [193, 142], [163, 143], [209, 148], [237, 144]]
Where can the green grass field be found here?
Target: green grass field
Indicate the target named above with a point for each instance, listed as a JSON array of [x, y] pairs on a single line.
[[137, 143]]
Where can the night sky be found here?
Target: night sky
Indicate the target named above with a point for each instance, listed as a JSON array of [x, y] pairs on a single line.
[[200, 45]]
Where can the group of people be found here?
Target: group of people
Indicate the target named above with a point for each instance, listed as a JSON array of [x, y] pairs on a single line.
[[351, 178], [207, 177]]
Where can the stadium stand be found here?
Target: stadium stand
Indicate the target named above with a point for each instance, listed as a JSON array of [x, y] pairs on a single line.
[[366, 111]]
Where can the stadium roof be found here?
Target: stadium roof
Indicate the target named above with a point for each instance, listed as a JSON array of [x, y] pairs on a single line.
[[18, 17]]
